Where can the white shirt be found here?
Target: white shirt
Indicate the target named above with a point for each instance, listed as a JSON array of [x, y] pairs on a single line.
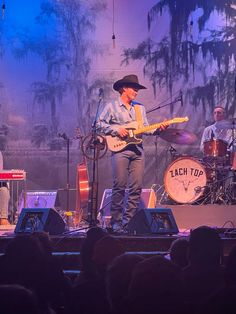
[[214, 132]]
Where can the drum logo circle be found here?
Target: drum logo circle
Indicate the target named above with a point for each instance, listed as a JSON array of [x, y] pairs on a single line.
[[185, 180]]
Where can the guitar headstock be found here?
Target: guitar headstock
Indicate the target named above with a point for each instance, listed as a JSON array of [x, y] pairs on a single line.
[[180, 120]]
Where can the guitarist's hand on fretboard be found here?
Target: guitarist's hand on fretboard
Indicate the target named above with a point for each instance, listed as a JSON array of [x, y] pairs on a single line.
[[164, 125], [122, 132]]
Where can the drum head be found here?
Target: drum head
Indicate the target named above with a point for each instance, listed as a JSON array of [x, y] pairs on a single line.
[[185, 180]]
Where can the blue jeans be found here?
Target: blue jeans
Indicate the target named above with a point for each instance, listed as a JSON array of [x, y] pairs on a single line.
[[127, 171]]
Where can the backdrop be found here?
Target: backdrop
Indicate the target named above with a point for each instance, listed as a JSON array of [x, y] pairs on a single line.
[[55, 55]]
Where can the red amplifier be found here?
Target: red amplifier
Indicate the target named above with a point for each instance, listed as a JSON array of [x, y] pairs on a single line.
[[12, 175]]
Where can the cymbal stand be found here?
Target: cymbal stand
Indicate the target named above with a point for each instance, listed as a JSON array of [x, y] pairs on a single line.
[[233, 186], [172, 150], [219, 192], [214, 186], [233, 169]]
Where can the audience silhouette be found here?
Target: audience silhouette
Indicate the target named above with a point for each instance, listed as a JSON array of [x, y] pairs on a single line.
[[204, 274], [113, 281], [89, 295], [118, 279], [179, 252], [15, 299]]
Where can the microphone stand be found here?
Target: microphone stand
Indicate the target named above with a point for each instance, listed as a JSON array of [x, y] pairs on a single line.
[[177, 99], [96, 143], [172, 150], [67, 189]]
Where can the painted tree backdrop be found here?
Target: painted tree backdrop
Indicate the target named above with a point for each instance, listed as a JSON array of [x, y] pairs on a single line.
[[55, 55]]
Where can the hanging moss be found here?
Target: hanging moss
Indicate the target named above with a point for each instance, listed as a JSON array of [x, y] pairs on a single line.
[[175, 57]]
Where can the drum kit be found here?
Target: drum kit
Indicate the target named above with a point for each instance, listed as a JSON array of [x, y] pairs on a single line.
[[207, 180]]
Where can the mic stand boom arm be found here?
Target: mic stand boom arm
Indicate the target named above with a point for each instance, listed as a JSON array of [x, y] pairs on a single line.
[[177, 99]]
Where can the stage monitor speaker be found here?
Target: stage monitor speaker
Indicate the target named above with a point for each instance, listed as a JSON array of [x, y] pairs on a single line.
[[153, 220], [40, 219]]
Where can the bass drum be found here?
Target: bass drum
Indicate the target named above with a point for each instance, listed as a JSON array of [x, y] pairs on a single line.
[[185, 180]]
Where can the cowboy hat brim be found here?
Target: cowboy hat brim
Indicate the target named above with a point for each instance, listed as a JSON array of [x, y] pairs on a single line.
[[121, 83]]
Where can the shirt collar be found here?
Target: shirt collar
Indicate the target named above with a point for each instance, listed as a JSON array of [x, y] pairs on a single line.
[[121, 103]]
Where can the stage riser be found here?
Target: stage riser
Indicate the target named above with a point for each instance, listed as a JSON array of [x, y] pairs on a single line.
[[192, 216]]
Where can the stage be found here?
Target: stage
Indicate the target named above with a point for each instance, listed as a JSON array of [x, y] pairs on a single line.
[[66, 247]]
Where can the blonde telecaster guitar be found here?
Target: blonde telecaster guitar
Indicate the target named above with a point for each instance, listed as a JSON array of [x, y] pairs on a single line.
[[116, 144]]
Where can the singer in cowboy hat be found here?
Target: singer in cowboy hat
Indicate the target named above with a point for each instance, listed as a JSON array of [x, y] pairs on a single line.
[[127, 164]]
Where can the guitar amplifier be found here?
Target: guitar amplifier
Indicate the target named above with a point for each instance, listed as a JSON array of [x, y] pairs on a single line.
[[37, 199], [147, 200]]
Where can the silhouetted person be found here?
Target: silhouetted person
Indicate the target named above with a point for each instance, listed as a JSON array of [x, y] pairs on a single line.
[[179, 252], [155, 287], [24, 263], [88, 269], [89, 296], [223, 301], [230, 268], [118, 278], [58, 287], [204, 274], [15, 299]]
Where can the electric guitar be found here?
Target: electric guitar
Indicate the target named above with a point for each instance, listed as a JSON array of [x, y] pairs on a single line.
[[116, 143]]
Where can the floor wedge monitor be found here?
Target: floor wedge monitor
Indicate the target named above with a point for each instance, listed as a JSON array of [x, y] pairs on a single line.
[[40, 219], [153, 221]]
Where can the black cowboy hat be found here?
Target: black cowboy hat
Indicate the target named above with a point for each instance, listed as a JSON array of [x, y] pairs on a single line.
[[129, 81]]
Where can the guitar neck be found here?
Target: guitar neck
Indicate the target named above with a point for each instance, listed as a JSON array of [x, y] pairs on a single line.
[[151, 127]]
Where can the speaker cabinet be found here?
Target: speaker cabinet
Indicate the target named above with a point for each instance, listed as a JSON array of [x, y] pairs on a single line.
[[40, 219], [37, 199], [153, 220]]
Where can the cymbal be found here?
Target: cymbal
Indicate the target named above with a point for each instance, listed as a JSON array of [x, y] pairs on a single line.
[[226, 124], [178, 136]]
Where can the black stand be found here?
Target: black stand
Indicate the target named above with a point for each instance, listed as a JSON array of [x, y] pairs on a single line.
[[177, 99], [94, 147], [67, 189]]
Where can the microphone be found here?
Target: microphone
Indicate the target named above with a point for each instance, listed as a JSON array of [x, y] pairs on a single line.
[[101, 91], [212, 135], [198, 189], [3, 10], [63, 135], [181, 99]]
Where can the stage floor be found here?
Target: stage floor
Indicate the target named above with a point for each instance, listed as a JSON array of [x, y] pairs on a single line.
[[222, 217]]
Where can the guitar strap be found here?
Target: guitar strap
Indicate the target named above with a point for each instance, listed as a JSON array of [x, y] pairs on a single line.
[[138, 116]]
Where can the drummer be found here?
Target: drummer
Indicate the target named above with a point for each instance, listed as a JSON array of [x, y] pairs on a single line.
[[217, 130]]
